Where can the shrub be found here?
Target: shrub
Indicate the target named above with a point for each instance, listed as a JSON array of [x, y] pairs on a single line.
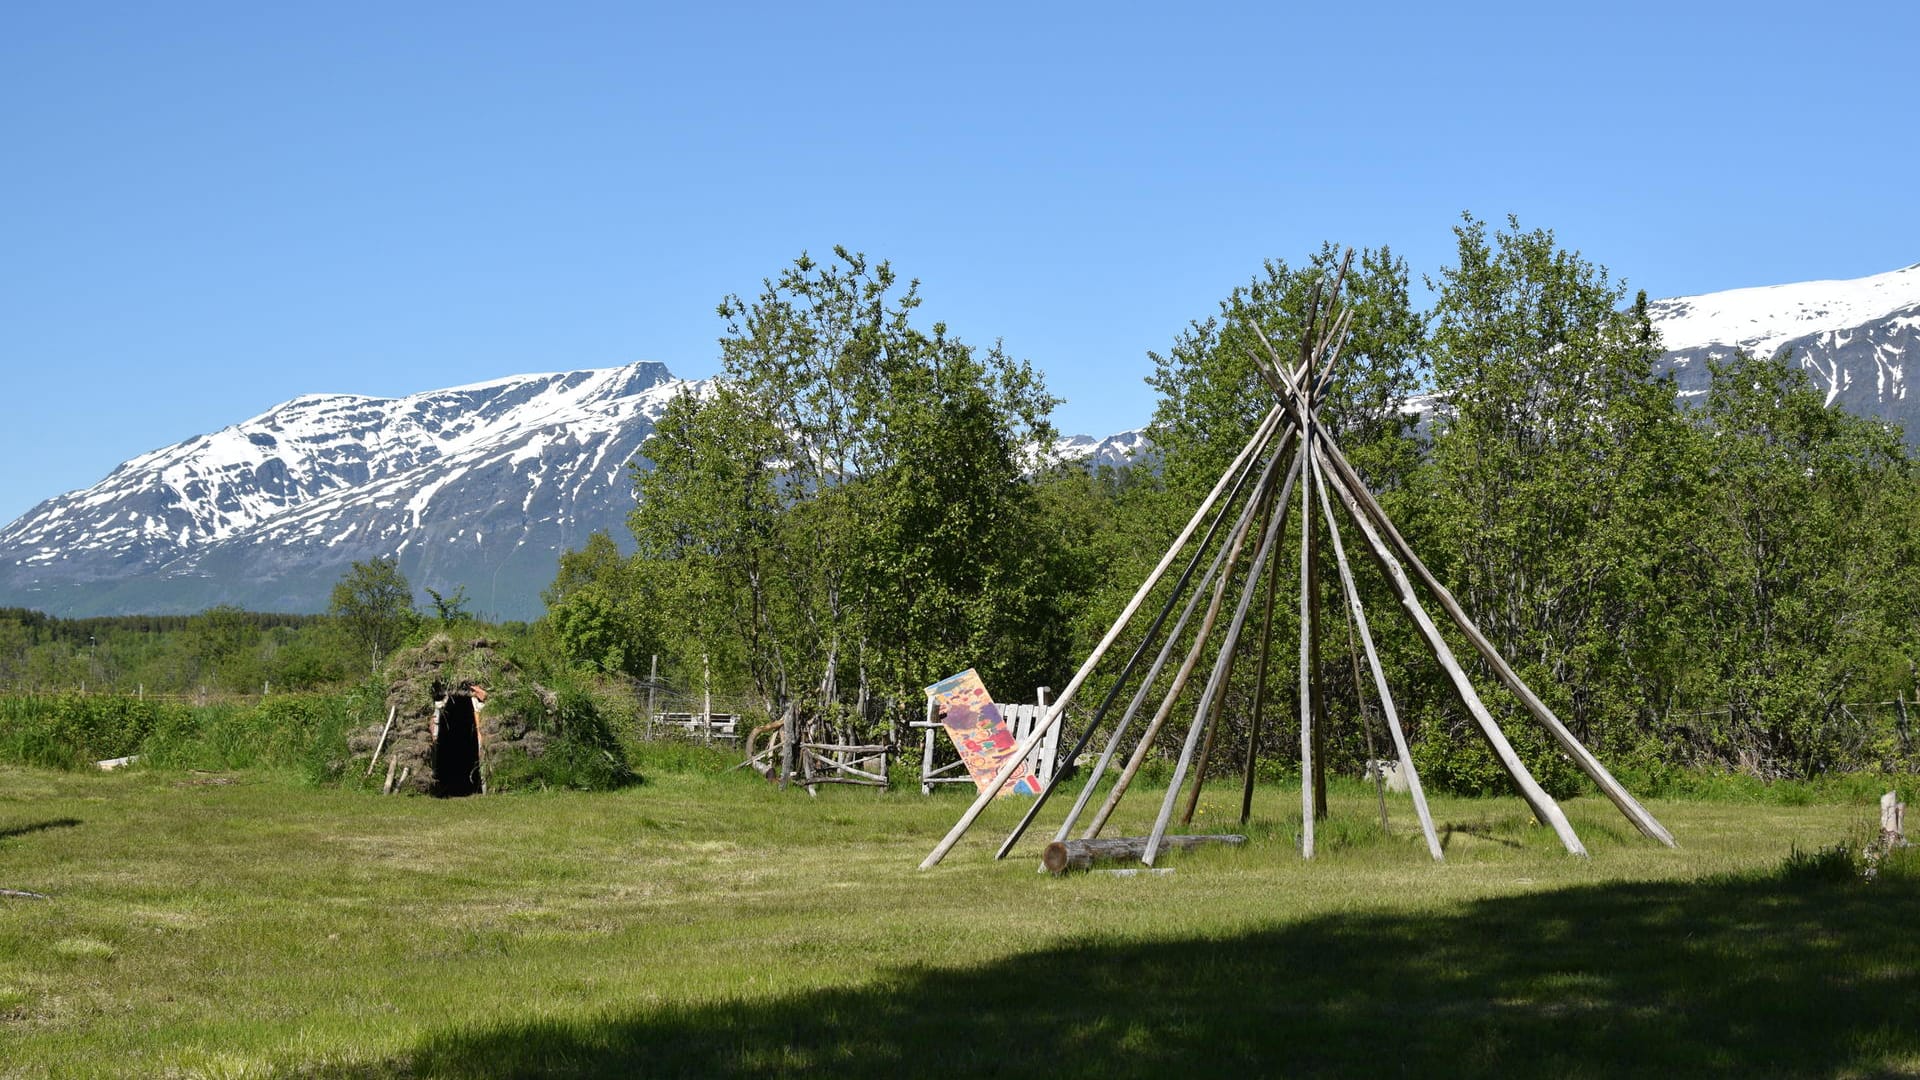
[[1458, 761]]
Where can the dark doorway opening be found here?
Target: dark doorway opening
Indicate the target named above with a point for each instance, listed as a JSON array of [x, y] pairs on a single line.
[[456, 753]]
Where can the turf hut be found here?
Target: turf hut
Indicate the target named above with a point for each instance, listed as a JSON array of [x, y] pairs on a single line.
[[460, 710]]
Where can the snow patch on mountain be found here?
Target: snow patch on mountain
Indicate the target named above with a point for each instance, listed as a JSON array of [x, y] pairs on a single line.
[[1764, 319]]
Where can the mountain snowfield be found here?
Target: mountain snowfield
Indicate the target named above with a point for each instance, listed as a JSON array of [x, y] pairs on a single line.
[[483, 486], [1854, 338]]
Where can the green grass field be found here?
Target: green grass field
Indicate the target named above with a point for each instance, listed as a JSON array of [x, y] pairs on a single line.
[[700, 924]]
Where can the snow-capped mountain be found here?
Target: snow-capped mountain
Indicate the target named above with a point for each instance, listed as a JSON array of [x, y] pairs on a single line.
[[1116, 450], [1854, 338], [480, 485]]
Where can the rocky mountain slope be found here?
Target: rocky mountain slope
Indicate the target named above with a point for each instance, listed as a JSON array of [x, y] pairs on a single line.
[[480, 485]]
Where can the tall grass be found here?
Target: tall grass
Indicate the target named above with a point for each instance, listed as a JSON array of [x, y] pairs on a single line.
[[302, 734]]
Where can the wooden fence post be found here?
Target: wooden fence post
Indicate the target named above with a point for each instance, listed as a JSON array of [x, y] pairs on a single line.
[[653, 681]]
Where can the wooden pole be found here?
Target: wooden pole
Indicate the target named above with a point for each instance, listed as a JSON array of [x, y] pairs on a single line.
[[1219, 700], [1316, 695], [1260, 680], [1140, 696], [392, 711], [789, 735], [1259, 440], [1544, 808], [1247, 468], [1309, 809], [1355, 496], [1380, 683], [1239, 537], [1216, 687], [1360, 692], [653, 681]]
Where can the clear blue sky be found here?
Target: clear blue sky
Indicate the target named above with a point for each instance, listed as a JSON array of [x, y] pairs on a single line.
[[206, 209]]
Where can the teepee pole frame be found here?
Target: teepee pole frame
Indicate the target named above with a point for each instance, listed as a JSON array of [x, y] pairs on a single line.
[[1292, 433], [1261, 436]]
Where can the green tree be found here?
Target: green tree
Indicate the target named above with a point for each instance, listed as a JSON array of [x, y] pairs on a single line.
[[374, 602], [1549, 497], [1797, 555], [840, 507], [1211, 395], [225, 645], [600, 609]]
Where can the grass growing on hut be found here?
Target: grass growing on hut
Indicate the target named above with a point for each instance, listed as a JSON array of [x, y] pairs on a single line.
[[706, 924]]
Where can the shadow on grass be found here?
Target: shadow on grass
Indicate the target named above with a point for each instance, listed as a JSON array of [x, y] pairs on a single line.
[[9, 831], [1764, 976]]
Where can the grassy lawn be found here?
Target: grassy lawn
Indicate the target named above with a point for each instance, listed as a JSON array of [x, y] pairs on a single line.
[[700, 925]]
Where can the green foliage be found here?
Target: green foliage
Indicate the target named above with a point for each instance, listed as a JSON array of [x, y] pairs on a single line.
[[582, 752], [374, 602], [601, 610], [842, 507], [1459, 762], [1800, 533], [450, 608], [1549, 487], [71, 731], [1212, 396]]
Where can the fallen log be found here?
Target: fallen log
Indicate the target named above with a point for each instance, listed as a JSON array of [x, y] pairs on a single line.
[[1064, 855]]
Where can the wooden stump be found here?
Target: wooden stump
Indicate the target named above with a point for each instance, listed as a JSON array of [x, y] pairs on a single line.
[[1064, 855]]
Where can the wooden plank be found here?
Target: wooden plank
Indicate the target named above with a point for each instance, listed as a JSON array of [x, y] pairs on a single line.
[[1260, 438], [926, 750], [1050, 742], [1062, 856]]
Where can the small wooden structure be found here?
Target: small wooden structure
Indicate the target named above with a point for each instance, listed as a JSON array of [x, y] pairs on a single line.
[[1290, 449], [789, 755], [1021, 720], [707, 727]]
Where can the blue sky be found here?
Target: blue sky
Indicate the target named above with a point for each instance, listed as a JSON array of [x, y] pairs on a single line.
[[206, 209]]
